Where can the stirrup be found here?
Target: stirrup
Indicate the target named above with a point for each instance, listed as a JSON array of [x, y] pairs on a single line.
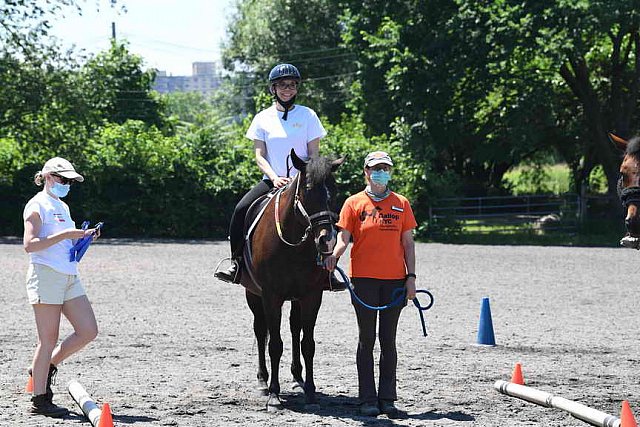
[[224, 275]]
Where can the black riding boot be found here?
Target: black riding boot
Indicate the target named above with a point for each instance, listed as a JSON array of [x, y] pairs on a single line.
[[42, 404], [53, 371], [233, 274]]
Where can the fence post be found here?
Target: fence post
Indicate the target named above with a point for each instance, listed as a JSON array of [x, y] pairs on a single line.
[[582, 203]]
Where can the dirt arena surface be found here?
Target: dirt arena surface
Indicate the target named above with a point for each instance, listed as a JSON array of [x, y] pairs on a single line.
[[176, 347]]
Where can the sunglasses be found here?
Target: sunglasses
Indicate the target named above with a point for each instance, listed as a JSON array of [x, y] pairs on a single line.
[[287, 86], [63, 180]]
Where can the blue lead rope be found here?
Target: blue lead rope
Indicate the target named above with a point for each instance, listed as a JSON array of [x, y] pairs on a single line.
[[397, 297]]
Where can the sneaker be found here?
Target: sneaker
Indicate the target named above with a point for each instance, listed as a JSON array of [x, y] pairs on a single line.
[[388, 408], [41, 405], [369, 410]]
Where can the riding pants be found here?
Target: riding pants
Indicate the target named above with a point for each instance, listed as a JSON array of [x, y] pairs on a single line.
[[376, 292], [236, 228]]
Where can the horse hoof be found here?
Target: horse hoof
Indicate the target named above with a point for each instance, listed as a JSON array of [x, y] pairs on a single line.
[[297, 385], [274, 404], [263, 388]]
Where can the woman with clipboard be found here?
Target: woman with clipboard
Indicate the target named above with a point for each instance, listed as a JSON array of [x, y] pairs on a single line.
[[53, 284]]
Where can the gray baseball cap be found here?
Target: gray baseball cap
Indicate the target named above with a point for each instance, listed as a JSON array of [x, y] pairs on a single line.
[[376, 158]]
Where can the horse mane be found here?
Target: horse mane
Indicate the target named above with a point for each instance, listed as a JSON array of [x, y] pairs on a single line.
[[318, 169], [633, 147]]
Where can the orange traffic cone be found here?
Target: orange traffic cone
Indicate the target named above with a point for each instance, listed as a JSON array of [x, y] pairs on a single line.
[[106, 420], [29, 387], [626, 416], [517, 377]]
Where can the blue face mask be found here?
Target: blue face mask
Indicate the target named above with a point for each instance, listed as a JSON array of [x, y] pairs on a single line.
[[60, 190], [381, 177]]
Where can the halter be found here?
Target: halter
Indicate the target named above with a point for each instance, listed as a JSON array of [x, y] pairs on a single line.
[[312, 221]]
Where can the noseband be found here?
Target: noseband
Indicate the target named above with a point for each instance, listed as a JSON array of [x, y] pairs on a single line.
[[313, 221], [628, 196]]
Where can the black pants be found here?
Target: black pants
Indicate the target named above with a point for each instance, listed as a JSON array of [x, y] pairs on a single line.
[[236, 228], [376, 292]]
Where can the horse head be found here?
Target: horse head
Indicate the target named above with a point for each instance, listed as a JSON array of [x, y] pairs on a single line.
[[629, 186], [316, 198]]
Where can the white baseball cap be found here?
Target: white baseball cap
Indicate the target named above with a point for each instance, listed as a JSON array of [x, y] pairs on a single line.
[[376, 158], [62, 167]]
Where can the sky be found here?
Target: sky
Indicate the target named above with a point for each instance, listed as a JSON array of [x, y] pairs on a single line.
[[168, 34]]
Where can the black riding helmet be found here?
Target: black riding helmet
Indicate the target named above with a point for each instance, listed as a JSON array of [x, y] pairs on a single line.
[[279, 72]]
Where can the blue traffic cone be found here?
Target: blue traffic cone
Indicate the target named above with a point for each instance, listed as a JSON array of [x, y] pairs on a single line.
[[485, 328]]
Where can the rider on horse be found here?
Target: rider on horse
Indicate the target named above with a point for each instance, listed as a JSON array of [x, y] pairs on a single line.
[[274, 132]]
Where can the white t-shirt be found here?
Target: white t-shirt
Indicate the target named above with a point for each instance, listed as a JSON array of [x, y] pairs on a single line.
[[280, 136], [55, 217]]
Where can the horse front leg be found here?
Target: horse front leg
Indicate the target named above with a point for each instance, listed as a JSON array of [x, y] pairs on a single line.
[[273, 312], [260, 331], [295, 325], [309, 313]]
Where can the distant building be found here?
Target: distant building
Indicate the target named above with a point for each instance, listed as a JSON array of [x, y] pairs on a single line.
[[204, 79]]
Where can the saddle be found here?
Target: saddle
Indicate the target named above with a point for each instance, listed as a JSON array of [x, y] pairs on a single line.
[[254, 213]]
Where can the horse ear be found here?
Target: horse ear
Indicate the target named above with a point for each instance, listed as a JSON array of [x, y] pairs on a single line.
[[620, 143], [337, 162], [298, 163]]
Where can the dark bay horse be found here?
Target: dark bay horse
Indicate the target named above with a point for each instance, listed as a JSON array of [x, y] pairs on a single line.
[[282, 255], [629, 188]]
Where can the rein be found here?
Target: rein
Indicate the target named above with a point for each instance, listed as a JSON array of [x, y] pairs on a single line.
[[397, 297]]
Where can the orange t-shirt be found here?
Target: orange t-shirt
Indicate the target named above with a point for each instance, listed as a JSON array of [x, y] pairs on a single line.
[[377, 228]]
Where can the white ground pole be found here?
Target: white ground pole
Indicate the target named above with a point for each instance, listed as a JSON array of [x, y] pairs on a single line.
[[84, 401], [578, 410]]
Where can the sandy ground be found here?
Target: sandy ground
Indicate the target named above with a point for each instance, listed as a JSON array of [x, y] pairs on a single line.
[[176, 347]]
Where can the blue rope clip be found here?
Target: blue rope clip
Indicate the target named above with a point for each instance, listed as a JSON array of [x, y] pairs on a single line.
[[397, 297]]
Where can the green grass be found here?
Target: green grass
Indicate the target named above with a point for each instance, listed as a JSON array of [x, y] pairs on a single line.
[[550, 178], [536, 179]]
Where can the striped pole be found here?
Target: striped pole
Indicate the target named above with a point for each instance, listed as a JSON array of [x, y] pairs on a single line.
[[578, 410], [85, 402]]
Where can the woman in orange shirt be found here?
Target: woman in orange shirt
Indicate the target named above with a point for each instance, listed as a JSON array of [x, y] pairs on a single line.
[[382, 259]]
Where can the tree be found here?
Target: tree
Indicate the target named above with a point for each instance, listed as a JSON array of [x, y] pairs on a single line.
[[489, 84], [117, 89], [595, 47], [305, 33], [435, 66], [25, 23]]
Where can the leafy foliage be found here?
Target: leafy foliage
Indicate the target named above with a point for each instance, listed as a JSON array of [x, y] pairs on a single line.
[[459, 93], [305, 33]]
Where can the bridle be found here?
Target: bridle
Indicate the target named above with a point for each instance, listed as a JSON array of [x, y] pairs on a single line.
[[314, 221], [628, 196]]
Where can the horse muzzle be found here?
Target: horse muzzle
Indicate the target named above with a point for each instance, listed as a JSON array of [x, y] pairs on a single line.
[[326, 240]]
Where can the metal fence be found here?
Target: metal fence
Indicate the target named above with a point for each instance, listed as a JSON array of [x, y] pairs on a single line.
[[507, 214]]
